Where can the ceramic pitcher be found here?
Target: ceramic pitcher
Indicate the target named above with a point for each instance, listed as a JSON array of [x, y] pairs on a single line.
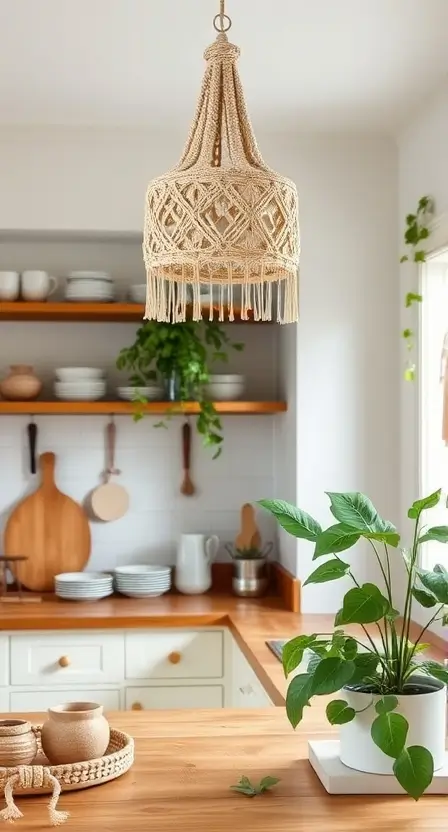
[[194, 559]]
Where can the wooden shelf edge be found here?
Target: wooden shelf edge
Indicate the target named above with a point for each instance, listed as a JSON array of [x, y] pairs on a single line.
[[69, 311], [116, 407]]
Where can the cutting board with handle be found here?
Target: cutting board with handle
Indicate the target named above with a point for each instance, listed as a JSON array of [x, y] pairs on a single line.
[[48, 528]]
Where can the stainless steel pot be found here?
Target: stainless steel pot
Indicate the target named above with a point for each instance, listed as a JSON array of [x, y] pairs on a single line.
[[250, 577]]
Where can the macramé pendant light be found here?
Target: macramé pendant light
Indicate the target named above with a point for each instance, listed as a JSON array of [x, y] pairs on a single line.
[[221, 219]]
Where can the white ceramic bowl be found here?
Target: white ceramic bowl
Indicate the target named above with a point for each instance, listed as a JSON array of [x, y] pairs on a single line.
[[137, 293], [79, 374], [156, 593], [153, 394], [143, 569], [226, 391]]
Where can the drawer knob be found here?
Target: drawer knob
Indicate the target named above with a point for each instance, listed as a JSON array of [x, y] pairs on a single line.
[[136, 706], [174, 658], [64, 661]]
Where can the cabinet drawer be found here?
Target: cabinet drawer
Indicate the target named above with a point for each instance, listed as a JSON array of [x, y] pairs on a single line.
[[196, 696], [4, 660], [67, 658], [174, 655], [20, 700]]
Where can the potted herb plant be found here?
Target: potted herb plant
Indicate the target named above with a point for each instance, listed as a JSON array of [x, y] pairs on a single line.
[[250, 570], [181, 355], [393, 703]]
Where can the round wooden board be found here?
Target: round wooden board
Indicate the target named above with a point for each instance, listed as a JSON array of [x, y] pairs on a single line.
[[51, 530], [109, 501]]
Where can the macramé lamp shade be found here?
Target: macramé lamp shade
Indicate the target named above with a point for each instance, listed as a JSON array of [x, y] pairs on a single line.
[[221, 219]]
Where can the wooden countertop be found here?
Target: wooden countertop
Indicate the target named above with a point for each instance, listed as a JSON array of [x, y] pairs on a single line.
[[187, 760], [251, 621]]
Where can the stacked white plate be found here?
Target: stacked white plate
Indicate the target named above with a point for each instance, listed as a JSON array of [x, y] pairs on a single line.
[[85, 384], [83, 586], [225, 388], [97, 287], [154, 393], [142, 581]]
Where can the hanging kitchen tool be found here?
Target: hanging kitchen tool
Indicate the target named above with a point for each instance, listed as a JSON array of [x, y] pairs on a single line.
[[32, 439], [110, 501], [249, 536], [48, 528], [187, 488]]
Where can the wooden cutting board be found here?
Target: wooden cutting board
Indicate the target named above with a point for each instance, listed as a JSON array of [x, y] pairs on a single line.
[[50, 529]]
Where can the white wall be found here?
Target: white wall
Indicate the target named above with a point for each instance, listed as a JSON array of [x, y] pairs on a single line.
[[423, 170], [340, 365]]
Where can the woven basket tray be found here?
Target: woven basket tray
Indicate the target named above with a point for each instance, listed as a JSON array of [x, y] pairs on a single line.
[[42, 778]]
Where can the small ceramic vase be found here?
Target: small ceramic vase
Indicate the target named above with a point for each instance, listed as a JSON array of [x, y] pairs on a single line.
[[18, 744], [21, 384], [74, 732]]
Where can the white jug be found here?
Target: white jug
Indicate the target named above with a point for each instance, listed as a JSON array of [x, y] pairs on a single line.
[[194, 558]]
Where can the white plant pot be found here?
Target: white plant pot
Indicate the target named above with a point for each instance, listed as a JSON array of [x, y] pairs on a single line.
[[425, 713]]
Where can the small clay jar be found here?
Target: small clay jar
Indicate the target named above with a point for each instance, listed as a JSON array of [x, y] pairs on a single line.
[[18, 744], [75, 732], [21, 384]]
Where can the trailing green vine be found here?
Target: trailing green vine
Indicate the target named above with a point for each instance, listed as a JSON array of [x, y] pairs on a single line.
[[416, 232], [183, 352]]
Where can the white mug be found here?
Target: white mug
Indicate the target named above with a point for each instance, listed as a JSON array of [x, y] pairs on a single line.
[[9, 285], [37, 285]]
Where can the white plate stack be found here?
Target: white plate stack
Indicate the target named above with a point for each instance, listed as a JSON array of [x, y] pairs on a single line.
[[142, 581], [82, 384], [96, 287], [83, 586], [153, 393]]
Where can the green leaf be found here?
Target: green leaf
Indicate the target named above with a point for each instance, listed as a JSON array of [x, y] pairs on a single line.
[[365, 668], [426, 599], [293, 651], [358, 512], [404, 258], [439, 567], [438, 533], [363, 605], [297, 697], [386, 704], [411, 298], [267, 783], [419, 256], [407, 333], [434, 669], [389, 732], [339, 712], [332, 570], [350, 648], [414, 770], [437, 583], [331, 675], [295, 521], [335, 539], [409, 375], [421, 505]]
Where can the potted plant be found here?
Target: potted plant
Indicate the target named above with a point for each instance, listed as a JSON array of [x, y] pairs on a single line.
[[392, 707], [181, 355], [250, 571]]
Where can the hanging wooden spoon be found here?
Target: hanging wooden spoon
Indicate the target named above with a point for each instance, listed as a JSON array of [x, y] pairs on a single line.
[[187, 488]]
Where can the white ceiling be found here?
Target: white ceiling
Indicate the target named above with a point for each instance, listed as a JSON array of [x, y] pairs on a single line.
[[346, 65]]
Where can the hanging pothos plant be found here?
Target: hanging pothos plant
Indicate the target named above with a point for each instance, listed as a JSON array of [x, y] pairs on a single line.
[[417, 231], [181, 354]]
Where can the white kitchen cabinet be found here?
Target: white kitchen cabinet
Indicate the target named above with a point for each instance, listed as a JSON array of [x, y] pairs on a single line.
[[40, 700], [4, 660], [175, 696], [246, 690], [67, 658], [174, 654]]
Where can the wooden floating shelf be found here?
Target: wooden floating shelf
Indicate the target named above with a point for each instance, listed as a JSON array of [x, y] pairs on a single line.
[[93, 312], [116, 407]]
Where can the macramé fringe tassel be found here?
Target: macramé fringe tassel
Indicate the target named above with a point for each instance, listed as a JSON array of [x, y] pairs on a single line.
[[32, 777], [175, 301]]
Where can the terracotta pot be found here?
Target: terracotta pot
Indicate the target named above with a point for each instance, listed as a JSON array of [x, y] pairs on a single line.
[[21, 384], [74, 732], [18, 744]]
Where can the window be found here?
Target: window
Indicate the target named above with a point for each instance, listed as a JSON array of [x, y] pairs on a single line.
[[433, 388]]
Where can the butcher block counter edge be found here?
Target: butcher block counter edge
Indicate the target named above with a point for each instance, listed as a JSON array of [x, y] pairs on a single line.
[[186, 761]]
